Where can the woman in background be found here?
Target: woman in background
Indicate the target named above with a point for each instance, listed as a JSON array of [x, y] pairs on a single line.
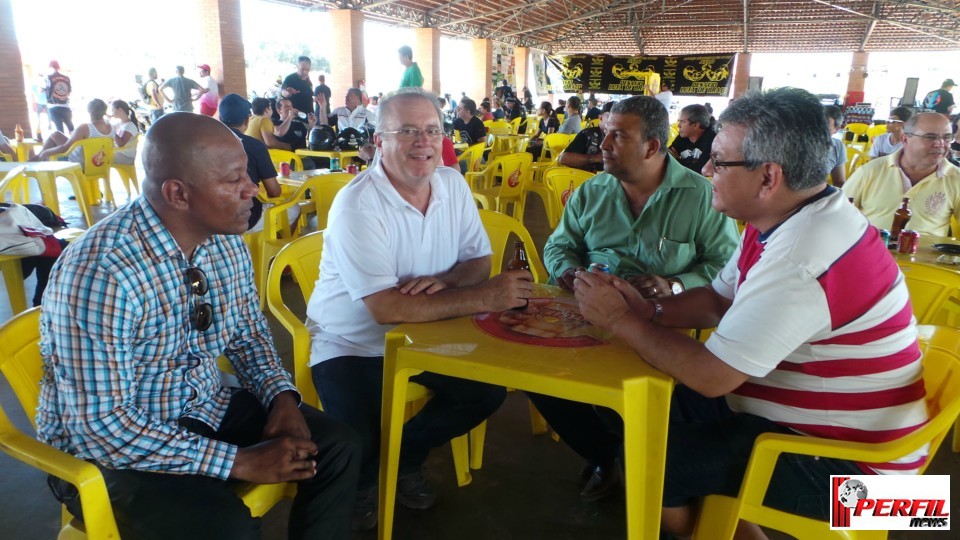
[[125, 133]]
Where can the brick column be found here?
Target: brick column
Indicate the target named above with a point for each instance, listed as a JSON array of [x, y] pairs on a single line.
[[221, 44], [741, 74], [426, 53], [522, 59], [13, 98], [858, 72], [349, 67], [481, 68]]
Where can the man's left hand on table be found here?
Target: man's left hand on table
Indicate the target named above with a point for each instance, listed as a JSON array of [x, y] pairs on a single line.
[[651, 286]]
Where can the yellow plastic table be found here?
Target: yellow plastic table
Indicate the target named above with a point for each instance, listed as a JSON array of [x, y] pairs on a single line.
[[13, 280], [608, 374], [46, 173], [327, 153], [23, 147], [297, 178]]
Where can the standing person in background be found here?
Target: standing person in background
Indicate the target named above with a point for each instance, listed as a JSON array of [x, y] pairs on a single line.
[[321, 90], [183, 91], [527, 100], [941, 100], [411, 75], [297, 88], [210, 98], [155, 100], [58, 90], [665, 95], [125, 133]]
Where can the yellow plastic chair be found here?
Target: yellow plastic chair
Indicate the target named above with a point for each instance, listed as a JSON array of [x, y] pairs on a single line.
[[560, 116], [302, 256], [7, 157], [954, 226], [97, 160], [514, 173], [873, 131], [591, 123], [515, 124], [674, 133], [499, 227], [13, 185], [22, 365], [856, 132], [278, 156], [934, 293], [941, 375], [501, 127], [472, 157], [128, 171], [561, 183], [314, 197], [855, 158]]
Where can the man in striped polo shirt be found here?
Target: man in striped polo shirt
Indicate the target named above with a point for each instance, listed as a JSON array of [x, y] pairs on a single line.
[[815, 333]]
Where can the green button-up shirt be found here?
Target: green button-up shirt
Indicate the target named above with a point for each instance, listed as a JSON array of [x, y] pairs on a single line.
[[678, 233]]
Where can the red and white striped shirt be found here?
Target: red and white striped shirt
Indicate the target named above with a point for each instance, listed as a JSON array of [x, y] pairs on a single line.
[[821, 321]]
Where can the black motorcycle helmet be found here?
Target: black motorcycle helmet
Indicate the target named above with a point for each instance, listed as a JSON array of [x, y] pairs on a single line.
[[350, 139], [322, 138]]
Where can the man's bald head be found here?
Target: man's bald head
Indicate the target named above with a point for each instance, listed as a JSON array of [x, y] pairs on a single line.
[[175, 146]]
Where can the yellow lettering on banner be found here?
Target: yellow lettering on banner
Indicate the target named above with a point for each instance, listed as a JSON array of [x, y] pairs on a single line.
[[595, 83], [712, 88]]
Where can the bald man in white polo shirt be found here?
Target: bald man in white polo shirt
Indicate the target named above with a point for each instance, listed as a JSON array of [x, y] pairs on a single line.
[[404, 244]]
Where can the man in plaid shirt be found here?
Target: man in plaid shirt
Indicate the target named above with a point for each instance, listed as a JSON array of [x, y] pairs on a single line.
[[135, 316]]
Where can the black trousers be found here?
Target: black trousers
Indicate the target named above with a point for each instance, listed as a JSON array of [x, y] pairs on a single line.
[[61, 116], [351, 390], [165, 506]]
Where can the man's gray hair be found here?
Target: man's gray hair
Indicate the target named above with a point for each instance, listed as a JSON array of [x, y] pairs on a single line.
[[785, 126], [697, 114], [656, 122], [385, 108]]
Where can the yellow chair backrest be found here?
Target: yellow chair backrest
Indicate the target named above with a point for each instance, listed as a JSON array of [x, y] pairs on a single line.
[[472, 157], [553, 145], [514, 173], [875, 130], [674, 133], [302, 256], [22, 366], [855, 158], [591, 123], [11, 184], [500, 127], [515, 124], [560, 117], [278, 156], [954, 226], [941, 375], [97, 156], [934, 293], [487, 124], [564, 181], [499, 227]]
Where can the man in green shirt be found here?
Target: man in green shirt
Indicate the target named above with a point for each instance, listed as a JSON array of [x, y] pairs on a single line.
[[650, 220], [412, 75]]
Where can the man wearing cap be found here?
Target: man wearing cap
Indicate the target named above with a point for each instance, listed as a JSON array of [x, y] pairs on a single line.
[[584, 150], [235, 114], [58, 89], [941, 100], [183, 91], [889, 142], [211, 95]]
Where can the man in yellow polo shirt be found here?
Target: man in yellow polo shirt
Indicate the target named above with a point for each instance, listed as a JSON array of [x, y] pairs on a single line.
[[918, 171]]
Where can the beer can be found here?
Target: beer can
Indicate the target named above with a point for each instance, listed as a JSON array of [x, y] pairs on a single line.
[[352, 168], [600, 267], [885, 236], [908, 242], [284, 169], [334, 164]]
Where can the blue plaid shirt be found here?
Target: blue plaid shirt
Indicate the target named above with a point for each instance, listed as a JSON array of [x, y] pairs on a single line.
[[122, 361]]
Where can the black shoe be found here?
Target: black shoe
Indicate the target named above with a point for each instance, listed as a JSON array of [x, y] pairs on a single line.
[[603, 481], [365, 510], [414, 492]]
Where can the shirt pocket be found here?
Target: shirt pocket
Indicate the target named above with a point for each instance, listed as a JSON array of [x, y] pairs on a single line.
[[675, 257]]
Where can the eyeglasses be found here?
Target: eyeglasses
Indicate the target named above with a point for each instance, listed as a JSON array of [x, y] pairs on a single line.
[[931, 138], [202, 315], [891, 121], [412, 134], [719, 165]]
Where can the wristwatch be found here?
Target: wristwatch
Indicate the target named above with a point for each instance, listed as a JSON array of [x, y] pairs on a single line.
[[676, 286]]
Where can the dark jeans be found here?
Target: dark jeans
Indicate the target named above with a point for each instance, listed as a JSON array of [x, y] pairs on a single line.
[[165, 506], [155, 115], [351, 390], [708, 446], [61, 115]]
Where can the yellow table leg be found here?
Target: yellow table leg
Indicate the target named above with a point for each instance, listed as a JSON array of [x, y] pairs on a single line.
[[645, 423], [13, 279], [391, 431]]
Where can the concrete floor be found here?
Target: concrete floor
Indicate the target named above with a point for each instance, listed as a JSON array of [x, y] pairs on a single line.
[[527, 489]]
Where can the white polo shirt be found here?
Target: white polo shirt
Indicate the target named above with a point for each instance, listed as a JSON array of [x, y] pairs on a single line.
[[376, 240]]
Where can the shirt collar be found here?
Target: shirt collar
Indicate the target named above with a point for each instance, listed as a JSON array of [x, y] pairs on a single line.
[[893, 160], [156, 237], [676, 176], [438, 192]]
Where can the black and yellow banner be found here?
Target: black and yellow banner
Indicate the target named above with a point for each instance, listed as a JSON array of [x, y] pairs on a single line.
[[694, 75]]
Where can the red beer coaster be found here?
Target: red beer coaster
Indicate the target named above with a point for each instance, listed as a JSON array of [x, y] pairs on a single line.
[[548, 322]]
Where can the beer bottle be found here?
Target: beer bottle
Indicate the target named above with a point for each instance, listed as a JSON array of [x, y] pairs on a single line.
[[18, 132], [900, 219], [519, 261]]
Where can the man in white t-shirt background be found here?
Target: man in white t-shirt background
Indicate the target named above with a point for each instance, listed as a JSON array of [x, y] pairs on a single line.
[[211, 97]]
